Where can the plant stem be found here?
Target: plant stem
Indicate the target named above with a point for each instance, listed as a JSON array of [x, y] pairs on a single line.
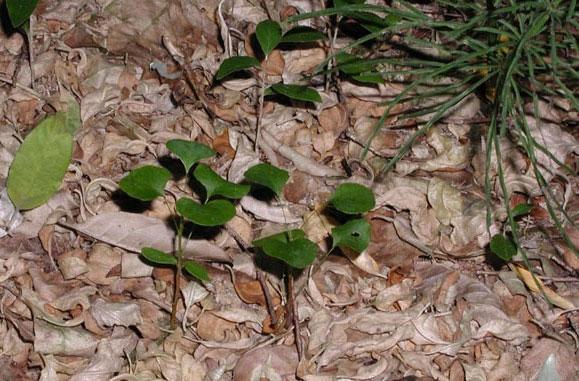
[[268, 299], [259, 110], [294, 312], [178, 270]]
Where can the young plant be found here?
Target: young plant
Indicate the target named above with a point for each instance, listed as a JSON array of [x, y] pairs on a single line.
[[148, 183], [19, 12], [269, 35], [352, 200]]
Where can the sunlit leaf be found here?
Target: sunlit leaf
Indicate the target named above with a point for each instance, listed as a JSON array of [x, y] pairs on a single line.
[[297, 92], [196, 270], [215, 185], [268, 176], [189, 152], [354, 234], [158, 257], [235, 64], [268, 35], [145, 183], [351, 198], [214, 213], [290, 247]]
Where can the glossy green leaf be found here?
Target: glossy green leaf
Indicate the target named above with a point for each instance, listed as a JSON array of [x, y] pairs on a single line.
[[215, 185], [521, 210], [189, 152], [145, 183], [20, 11], [268, 35], [302, 34], [196, 270], [298, 252], [297, 92], [369, 77], [235, 64], [354, 234], [214, 213], [40, 163], [158, 257], [268, 176], [282, 237], [351, 198], [503, 247]]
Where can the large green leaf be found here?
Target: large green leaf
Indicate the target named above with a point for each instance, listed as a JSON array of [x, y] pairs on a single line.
[[268, 35], [297, 92], [351, 198], [41, 163], [234, 64], [20, 11], [145, 183], [354, 234], [158, 257], [214, 213], [196, 270], [215, 185], [268, 176], [503, 247], [189, 152], [290, 247], [302, 34]]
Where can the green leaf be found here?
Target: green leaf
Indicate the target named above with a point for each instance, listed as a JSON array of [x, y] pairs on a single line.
[[189, 152], [158, 257], [341, 3], [302, 34], [216, 185], [268, 176], [214, 213], [503, 247], [297, 92], [196, 270], [234, 64], [20, 11], [299, 252], [351, 64], [354, 234], [72, 120], [40, 163], [353, 198], [521, 210], [145, 183], [369, 77], [283, 237], [268, 35]]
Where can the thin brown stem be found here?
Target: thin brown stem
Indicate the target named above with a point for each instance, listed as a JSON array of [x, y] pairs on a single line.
[[268, 298], [259, 110], [293, 304], [178, 270]]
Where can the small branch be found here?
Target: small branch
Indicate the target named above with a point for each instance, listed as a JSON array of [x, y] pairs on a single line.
[[293, 304], [268, 298], [178, 270], [259, 112]]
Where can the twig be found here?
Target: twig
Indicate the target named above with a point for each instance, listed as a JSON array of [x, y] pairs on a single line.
[[292, 302], [268, 298]]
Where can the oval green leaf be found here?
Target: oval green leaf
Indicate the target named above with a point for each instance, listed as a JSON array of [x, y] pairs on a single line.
[[283, 237], [158, 257], [521, 210], [268, 176], [215, 185], [189, 152], [268, 35], [351, 198], [299, 253], [20, 11], [302, 34], [354, 234], [234, 64], [503, 247], [214, 213], [145, 183], [297, 92], [369, 77], [40, 163], [196, 270]]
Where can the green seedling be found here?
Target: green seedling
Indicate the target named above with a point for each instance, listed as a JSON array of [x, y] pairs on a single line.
[[269, 35], [352, 200], [148, 183], [501, 245]]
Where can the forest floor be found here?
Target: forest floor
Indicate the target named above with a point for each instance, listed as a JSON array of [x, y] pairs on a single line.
[[426, 301]]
